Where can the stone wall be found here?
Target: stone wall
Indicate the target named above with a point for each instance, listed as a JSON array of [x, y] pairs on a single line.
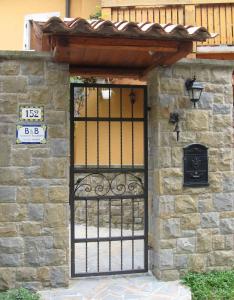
[[191, 228], [34, 245]]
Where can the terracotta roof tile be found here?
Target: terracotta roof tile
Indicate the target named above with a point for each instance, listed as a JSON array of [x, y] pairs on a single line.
[[146, 30]]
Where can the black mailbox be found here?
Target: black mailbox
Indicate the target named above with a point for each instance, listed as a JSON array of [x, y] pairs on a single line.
[[196, 165]]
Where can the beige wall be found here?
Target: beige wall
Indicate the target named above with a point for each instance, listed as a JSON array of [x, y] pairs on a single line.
[[12, 16]]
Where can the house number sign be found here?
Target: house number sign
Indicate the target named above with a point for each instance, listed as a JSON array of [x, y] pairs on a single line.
[[31, 134], [196, 165], [31, 113]]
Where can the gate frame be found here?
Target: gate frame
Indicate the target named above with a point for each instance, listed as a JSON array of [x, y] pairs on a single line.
[[71, 185]]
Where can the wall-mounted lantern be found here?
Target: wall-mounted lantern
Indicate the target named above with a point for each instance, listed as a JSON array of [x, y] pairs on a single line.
[[194, 90], [132, 96], [106, 93]]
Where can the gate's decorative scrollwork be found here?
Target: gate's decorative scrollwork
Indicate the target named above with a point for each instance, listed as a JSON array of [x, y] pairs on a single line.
[[97, 184]]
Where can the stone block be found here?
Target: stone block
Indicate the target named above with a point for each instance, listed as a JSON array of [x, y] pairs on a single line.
[[55, 215], [8, 229], [35, 212], [164, 157], [43, 274], [171, 181], [5, 152], [59, 147], [54, 168], [12, 212], [206, 101], [36, 80], [61, 97], [197, 263], [10, 67], [205, 203], [166, 206], [221, 109], [220, 76], [11, 245], [32, 68], [168, 244], [58, 194], [8, 104], [56, 77], [21, 157], [218, 242], [227, 226], [59, 276], [166, 260], [11, 176], [39, 194], [57, 131], [210, 220], [221, 258], [174, 86], [23, 194], [26, 274], [228, 182], [186, 245], [229, 242], [11, 260], [7, 194], [14, 84], [41, 96], [181, 261], [171, 228], [29, 228], [176, 156], [7, 279], [204, 240], [223, 201], [55, 117], [221, 122], [190, 221], [38, 250], [185, 204], [197, 120], [169, 275]]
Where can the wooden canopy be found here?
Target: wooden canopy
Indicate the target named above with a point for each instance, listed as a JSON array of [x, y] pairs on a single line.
[[123, 49]]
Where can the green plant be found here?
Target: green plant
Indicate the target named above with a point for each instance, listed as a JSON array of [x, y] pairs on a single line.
[[19, 294], [214, 285], [97, 14]]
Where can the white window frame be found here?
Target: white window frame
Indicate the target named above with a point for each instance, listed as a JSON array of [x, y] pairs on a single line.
[[43, 17]]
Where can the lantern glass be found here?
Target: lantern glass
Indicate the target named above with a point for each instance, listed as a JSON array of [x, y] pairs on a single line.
[[196, 91]]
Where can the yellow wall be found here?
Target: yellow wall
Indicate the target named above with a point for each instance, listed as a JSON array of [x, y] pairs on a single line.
[[115, 131], [12, 13]]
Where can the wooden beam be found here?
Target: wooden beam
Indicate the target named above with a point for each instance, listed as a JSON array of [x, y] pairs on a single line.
[[169, 46], [217, 55], [112, 47], [153, 3], [185, 49], [105, 72], [165, 59]]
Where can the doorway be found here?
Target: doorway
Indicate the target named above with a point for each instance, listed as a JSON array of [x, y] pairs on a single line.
[[108, 179]]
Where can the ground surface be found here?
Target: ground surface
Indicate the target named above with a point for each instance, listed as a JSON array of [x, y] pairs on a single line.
[[131, 287], [128, 261]]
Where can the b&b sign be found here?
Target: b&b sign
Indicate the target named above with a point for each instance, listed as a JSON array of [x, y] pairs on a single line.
[[31, 134]]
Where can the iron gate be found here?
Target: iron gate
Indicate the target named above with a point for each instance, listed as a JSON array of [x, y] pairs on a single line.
[[108, 179]]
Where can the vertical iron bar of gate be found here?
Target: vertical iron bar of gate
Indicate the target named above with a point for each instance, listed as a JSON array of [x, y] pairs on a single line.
[[146, 178], [72, 203]]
